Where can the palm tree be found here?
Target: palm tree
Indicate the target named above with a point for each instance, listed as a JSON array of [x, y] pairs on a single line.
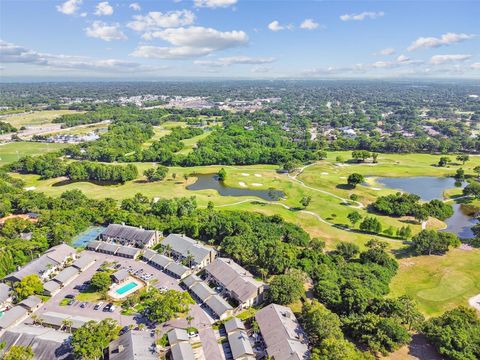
[[66, 323], [141, 326], [34, 318], [189, 319], [189, 258], [167, 250]]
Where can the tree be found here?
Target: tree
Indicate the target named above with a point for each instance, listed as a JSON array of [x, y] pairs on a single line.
[[291, 166], [361, 155], [444, 160], [455, 334], [371, 225], [101, 281], [472, 189], [354, 217], [29, 285], [67, 324], [375, 158], [477, 170], [18, 352], [285, 289], [355, 179], [320, 323], [156, 174], [420, 214], [160, 307], [428, 242], [347, 250], [321, 154], [222, 174], [89, 341], [460, 174], [463, 158], [305, 201], [405, 232]]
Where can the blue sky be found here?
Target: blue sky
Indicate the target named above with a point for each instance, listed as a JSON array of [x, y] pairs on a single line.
[[158, 39]]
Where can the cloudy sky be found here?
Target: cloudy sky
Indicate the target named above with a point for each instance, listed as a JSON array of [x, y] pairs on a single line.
[[158, 39]]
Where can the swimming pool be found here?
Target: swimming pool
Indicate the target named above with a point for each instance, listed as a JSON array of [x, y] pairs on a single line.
[[126, 287]]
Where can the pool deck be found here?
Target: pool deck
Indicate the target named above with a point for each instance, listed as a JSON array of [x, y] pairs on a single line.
[[113, 290]]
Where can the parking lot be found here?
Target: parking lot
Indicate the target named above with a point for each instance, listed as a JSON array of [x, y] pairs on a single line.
[[158, 279]]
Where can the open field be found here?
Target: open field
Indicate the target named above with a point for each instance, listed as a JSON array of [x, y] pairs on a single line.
[[36, 117], [437, 283], [13, 151]]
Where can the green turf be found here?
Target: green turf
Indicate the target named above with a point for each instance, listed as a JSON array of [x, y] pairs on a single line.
[[36, 118], [13, 151]]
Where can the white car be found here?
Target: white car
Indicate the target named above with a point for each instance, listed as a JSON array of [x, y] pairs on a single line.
[[112, 308]]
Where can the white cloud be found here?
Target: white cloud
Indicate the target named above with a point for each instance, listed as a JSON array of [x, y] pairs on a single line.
[[261, 69], [104, 31], [386, 51], [309, 24], [275, 26], [69, 7], [214, 3], [234, 60], [135, 6], [11, 53], [362, 16], [103, 9], [156, 20], [445, 39], [442, 59], [190, 42], [475, 66]]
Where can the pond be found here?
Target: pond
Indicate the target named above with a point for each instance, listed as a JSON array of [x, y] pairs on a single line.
[[82, 239], [429, 188], [210, 181]]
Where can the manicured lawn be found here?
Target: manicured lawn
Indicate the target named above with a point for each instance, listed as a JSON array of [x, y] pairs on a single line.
[[89, 296], [13, 151], [36, 118], [439, 283]]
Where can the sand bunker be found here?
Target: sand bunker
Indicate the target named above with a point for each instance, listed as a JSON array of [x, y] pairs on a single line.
[[258, 175], [324, 173], [30, 188], [374, 188], [475, 302], [341, 165], [245, 174], [242, 184], [256, 184]]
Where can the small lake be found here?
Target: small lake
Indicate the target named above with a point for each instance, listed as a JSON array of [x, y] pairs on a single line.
[[82, 239], [210, 182], [431, 187]]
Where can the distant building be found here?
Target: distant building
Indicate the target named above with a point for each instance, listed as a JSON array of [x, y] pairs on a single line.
[[5, 296], [51, 287], [238, 282], [83, 262], [176, 336], [120, 276], [65, 276], [282, 334], [31, 303], [219, 306], [238, 340], [194, 253], [130, 236], [47, 344], [166, 264], [13, 317], [51, 261], [133, 345], [182, 351], [113, 249]]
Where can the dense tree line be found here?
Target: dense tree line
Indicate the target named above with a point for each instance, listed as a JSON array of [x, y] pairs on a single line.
[[51, 166], [403, 204], [6, 128]]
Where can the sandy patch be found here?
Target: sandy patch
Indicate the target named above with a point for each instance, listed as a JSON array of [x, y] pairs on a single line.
[[30, 188], [343, 177], [242, 184], [475, 302], [258, 175], [256, 184], [341, 165], [375, 188], [245, 174], [324, 173]]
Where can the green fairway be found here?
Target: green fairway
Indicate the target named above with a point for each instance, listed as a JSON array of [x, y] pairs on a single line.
[[36, 117], [13, 151], [439, 283]]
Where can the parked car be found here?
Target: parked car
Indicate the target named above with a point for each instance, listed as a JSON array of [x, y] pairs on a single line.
[[112, 308], [107, 307], [69, 296], [83, 304], [98, 306], [71, 301]]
